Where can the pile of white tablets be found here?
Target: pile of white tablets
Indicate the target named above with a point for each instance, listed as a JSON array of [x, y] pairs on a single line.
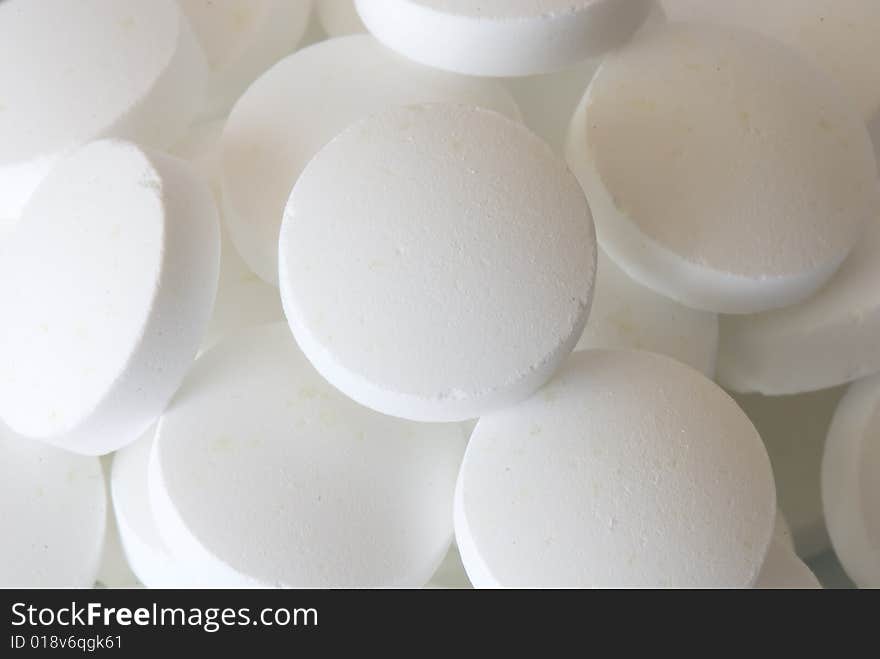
[[496, 294]]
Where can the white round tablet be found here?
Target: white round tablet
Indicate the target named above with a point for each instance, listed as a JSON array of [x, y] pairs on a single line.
[[722, 169], [437, 262], [850, 483], [828, 340], [54, 509], [339, 17], [627, 469], [145, 550], [784, 570], [628, 315], [263, 474], [301, 104], [793, 429], [106, 287], [77, 71], [502, 37], [838, 36], [241, 39]]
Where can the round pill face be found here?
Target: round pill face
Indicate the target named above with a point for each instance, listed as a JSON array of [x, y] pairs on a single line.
[[625, 314], [723, 170], [106, 286], [628, 469], [301, 104], [838, 36], [54, 508], [437, 262], [263, 474], [54, 310], [502, 37], [61, 89]]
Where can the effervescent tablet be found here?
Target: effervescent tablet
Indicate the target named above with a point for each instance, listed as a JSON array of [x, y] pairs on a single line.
[[851, 482], [263, 474], [502, 37], [828, 340], [627, 469], [241, 39], [298, 106], [722, 169], [625, 314], [837, 36], [437, 262], [54, 508], [77, 71], [793, 429], [339, 17], [106, 287]]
